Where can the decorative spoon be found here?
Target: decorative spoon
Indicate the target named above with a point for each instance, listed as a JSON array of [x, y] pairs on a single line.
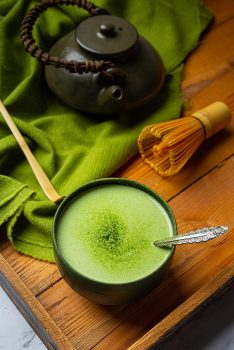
[[201, 235]]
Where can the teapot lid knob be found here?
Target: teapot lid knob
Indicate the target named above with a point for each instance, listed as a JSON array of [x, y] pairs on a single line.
[[106, 35], [107, 29]]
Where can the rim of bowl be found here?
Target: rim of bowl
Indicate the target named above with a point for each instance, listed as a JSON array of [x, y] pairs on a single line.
[[120, 181]]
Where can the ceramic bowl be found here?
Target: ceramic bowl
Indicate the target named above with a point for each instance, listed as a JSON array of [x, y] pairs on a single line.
[[110, 293]]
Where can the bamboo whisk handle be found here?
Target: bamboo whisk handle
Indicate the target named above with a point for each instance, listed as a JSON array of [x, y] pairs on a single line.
[[166, 147], [214, 118]]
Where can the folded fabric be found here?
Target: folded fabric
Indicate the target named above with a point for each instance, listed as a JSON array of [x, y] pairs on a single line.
[[71, 146]]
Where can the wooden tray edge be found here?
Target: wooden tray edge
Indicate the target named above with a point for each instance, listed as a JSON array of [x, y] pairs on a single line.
[[31, 309], [183, 313]]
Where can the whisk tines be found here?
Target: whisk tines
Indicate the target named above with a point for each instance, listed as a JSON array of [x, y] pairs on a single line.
[[167, 146]]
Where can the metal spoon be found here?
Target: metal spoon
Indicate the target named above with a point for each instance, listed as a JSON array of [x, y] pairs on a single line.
[[201, 235]]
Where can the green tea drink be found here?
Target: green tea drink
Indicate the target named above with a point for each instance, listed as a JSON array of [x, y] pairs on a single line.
[[107, 232]]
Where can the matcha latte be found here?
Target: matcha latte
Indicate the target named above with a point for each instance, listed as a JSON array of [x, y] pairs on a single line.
[[106, 233]]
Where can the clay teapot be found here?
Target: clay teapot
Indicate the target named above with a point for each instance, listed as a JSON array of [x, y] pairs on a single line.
[[103, 66]]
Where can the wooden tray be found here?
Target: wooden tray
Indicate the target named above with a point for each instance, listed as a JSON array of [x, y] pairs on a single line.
[[201, 195], [54, 338]]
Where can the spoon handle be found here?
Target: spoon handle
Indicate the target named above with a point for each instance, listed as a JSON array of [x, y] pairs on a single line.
[[42, 178], [201, 235]]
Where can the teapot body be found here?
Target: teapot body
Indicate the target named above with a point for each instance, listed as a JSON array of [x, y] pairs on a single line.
[[140, 66]]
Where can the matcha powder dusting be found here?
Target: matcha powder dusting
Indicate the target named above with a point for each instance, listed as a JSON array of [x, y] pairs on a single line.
[[110, 234], [112, 243]]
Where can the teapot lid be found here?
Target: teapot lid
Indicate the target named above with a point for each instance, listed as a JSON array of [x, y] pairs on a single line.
[[106, 35]]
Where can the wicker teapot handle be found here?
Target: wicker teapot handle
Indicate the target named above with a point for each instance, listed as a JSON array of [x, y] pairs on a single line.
[[30, 46]]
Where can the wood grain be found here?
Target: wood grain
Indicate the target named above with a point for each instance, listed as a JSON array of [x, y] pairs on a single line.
[[181, 315], [37, 275], [200, 195], [196, 78], [31, 309]]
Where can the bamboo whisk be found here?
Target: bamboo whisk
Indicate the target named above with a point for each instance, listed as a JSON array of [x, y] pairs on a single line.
[[167, 146]]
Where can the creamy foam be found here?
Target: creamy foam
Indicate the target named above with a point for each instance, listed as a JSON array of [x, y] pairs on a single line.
[[106, 233]]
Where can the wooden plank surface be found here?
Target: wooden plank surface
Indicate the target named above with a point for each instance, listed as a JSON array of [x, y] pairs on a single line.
[[200, 195], [181, 315], [31, 309], [46, 273]]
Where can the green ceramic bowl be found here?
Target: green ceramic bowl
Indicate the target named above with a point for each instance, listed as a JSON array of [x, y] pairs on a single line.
[[109, 293]]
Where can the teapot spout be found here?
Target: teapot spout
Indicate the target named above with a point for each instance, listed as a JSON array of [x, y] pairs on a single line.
[[111, 99]]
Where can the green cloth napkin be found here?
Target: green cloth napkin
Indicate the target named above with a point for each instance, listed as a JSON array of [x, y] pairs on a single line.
[[73, 147]]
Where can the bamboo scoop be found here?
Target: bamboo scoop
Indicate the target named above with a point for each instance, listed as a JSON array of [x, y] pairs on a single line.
[[200, 235], [166, 147], [42, 178]]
